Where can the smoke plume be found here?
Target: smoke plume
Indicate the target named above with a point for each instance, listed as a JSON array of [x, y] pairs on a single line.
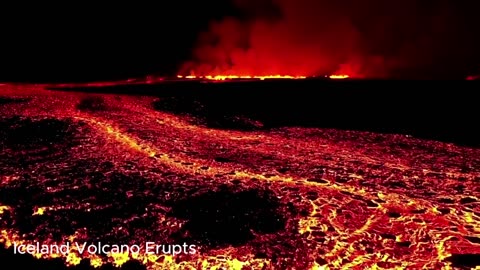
[[370, 38]]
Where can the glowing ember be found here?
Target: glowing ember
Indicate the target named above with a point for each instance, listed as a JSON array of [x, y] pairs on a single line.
[[233, 77], [339, 76]]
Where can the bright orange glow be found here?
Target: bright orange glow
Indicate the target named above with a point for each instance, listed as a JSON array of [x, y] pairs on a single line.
[[232, 77], [339, 76]]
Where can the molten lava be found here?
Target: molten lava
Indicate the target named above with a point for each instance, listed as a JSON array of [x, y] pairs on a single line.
[[256, 77], [233, 77], [78, 168], [339, 76]]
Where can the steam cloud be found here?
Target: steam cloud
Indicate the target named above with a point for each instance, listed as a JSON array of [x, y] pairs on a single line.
[[370, 38]]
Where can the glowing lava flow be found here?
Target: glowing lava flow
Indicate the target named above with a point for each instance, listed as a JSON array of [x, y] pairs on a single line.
[[233, 77], [339, 76], [365, 201]]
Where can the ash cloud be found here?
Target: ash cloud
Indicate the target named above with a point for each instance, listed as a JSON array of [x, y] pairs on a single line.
[[371, 38]]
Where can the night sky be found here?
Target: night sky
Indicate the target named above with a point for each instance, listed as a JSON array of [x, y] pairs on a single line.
[[79, 42], [307, 37]]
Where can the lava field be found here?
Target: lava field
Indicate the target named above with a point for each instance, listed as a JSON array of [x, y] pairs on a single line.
[[128, 169]]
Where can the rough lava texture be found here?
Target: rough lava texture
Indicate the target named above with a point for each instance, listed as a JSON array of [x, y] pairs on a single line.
[[283, 198]]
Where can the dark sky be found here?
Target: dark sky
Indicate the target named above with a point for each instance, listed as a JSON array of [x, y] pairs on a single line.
[[78, 42], [371, 38]]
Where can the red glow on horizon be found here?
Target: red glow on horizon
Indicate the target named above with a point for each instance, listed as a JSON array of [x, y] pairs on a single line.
[[233, 77], [257, 77]]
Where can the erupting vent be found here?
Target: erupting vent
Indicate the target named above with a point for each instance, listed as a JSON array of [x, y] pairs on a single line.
[[234, 77]]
